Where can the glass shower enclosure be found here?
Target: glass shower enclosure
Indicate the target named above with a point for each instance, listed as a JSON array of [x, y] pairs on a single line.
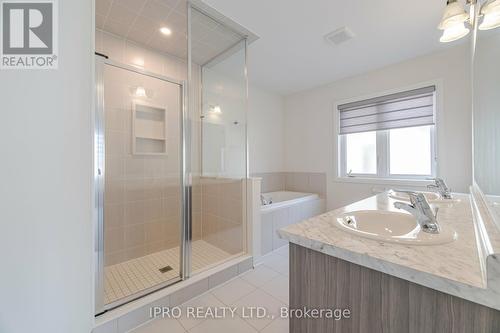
[[170, 164]]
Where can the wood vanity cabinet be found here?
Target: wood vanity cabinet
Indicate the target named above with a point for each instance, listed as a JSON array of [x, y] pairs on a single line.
[[378, 302]]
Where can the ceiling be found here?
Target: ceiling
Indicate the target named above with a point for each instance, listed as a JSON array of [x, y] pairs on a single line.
[[291, 54], [141, 20]]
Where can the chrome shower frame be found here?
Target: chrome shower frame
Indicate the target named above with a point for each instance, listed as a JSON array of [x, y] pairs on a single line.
[[101, 62]]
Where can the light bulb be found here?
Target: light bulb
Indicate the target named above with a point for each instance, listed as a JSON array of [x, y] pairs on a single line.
[[166, 31], [491, 19], [454, 33], [140, 92], [454, 14], [215, 109]]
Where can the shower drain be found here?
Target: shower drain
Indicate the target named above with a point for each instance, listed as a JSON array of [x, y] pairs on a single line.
[[165, 269]]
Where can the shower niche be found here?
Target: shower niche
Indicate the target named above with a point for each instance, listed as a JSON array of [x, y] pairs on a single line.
[[149, 129]]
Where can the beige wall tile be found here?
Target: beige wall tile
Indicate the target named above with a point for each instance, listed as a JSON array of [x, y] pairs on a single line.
[[172, 231], [114, 215], [196, 203], [196, 227], [232, 210], [153, 210], [134, 235], [114, 239], [171, 206], [135, 252], [317, 183], [272, 182], [210, 204], [134, 167], [170, 187], [115, 167], [112, 258], [134, 213], [113, 192], [115, 143], [155, 232], [153, 188], [134, 189]]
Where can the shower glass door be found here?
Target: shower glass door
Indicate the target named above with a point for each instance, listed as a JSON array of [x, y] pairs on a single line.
[[140, 122], [218, 106]]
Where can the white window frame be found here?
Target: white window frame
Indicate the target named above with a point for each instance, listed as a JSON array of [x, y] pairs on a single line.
[[383, 175], [383, 168]]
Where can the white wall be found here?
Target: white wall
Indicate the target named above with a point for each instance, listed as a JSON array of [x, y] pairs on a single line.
[[266, 131], [310, 120], [45, 191]]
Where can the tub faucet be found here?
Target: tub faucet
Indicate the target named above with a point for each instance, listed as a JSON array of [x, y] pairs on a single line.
[[443, 189], [420, 208], [264, 201]]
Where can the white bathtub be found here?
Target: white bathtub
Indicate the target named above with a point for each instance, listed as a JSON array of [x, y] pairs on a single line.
[[287, 208], [283, 199]]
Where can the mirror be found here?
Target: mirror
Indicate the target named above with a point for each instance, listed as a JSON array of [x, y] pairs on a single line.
[[486, 115]]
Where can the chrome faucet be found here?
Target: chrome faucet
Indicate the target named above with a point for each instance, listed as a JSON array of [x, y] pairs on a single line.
[[420, 208], [443, 189], [264, 201]]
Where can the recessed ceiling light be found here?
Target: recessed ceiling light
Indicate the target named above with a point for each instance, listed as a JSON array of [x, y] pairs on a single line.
[[166, 31]]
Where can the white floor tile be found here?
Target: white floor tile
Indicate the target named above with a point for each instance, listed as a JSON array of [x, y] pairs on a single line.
[[227, 325], [277, 263], [204, 301], [271, 258], [258, 298], [260, 275], [277, 326], [283, 251], [233, 290], [160, 325], [278, 287]]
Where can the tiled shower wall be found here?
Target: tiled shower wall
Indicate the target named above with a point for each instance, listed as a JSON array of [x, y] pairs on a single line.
[[293, 181], [142, 195], [223, 213], [142, 211]]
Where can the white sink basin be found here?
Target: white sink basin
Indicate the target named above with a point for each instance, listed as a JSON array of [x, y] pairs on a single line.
[[392, 227], [432, 197]]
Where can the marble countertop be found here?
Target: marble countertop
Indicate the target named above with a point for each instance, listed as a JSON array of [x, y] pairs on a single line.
[[454, 268]]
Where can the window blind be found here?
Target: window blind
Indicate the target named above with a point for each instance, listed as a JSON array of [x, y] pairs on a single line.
[[404, 109]]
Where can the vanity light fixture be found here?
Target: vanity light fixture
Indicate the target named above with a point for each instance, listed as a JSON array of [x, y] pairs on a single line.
[[456, 21], [491, 15], [453, 22], [166, 31]]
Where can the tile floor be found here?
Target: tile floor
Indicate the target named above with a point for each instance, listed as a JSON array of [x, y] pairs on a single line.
[[265, 286], [138, 274]]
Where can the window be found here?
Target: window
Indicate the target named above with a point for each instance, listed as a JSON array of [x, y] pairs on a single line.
[[389, 136], [361, 153]]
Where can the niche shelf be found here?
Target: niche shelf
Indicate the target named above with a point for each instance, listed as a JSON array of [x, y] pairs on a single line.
[[149, 129]]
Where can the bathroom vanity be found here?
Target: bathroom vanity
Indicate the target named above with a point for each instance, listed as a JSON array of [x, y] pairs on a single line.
[[393, 285]]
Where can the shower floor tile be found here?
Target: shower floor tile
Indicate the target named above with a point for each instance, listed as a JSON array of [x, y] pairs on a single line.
[[129, 277]]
